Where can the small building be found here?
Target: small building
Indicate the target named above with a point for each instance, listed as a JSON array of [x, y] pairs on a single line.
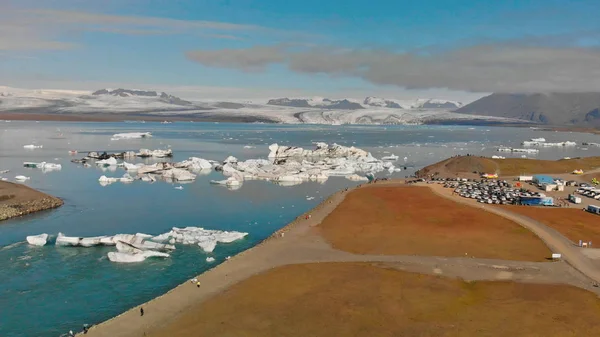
[[571, 183], [541, 179], [525, 178], [593, 209]]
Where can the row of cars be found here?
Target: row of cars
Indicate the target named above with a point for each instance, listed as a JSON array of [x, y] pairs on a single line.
[[489, 191], [589, 191]]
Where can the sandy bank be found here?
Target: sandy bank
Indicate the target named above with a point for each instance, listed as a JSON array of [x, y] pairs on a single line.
[[17, 200]]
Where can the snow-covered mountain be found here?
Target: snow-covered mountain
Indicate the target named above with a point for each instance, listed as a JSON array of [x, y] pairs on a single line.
[[138, 103], [316, 102], [350, 104]]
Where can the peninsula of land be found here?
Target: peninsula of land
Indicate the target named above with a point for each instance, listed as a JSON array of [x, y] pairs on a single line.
[[18, 200]]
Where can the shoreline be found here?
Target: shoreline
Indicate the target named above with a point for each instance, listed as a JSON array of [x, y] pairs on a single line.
[[18, 200], [319, 211]]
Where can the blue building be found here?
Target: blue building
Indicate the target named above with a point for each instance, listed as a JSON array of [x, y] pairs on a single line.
[[541, 179]]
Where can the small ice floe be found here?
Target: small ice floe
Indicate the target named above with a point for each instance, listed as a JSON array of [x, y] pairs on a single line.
[[178, 187], [37, 240], [4, 171], [498, 157], [210, 259], [131, 135], [310, 198], [73, 152], [21, 178], [392, 157], [249, 147], [356, 177], [104, 180], [31, 146]]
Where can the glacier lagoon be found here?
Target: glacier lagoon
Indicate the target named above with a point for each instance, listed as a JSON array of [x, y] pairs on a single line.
[[46, 291]]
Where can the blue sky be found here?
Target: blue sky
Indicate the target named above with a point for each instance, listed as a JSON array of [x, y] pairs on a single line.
[[443, 48]]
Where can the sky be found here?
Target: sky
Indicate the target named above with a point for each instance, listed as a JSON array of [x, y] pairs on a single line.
[[450, 49]]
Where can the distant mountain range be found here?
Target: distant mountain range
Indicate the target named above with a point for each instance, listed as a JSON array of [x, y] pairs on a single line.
[[581, 109], [122, 104], [369, 102]]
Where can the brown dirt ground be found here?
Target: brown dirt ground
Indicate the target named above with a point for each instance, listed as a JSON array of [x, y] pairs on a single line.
[[464, 166], [573, 223], [414, 221], [17, 200], [353, 299]]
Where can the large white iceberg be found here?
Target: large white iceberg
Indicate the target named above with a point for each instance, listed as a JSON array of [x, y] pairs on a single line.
[[293, 165], [131, 135], [121, 257], [207, 239], [37, 240]]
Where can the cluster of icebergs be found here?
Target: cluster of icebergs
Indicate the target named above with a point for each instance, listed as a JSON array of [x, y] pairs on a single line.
[[542, 142], [509, 149], [131, 135], [288, 165], [138, 247]]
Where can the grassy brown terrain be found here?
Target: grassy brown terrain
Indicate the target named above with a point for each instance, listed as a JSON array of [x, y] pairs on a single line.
[[573, 223], [17, 200], [354, 299], [465, 165], [415, 221]]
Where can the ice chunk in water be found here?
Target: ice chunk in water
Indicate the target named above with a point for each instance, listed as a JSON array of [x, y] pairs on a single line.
[[37, 240], [122, 257]]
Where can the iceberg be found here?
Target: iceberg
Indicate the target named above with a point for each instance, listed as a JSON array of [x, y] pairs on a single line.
[[356, 177], [145, 153], [31, 146], [131, 135], [62, 240], [37, 240], [205, 238], [195, 164], [43, 165], [210, 259], [21, 178], [121, 257], [179, 175], [107, 162], [390, 157]]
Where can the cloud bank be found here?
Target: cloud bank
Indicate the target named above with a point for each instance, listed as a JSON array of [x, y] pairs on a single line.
[[480, 68], [45, 29]]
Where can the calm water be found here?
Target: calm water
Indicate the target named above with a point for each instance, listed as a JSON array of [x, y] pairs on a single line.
[[45, 291]]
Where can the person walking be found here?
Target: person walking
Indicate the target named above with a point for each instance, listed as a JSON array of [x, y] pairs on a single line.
[[141, 311]]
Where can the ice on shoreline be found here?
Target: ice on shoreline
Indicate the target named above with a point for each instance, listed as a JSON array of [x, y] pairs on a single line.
[[131, 135]]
